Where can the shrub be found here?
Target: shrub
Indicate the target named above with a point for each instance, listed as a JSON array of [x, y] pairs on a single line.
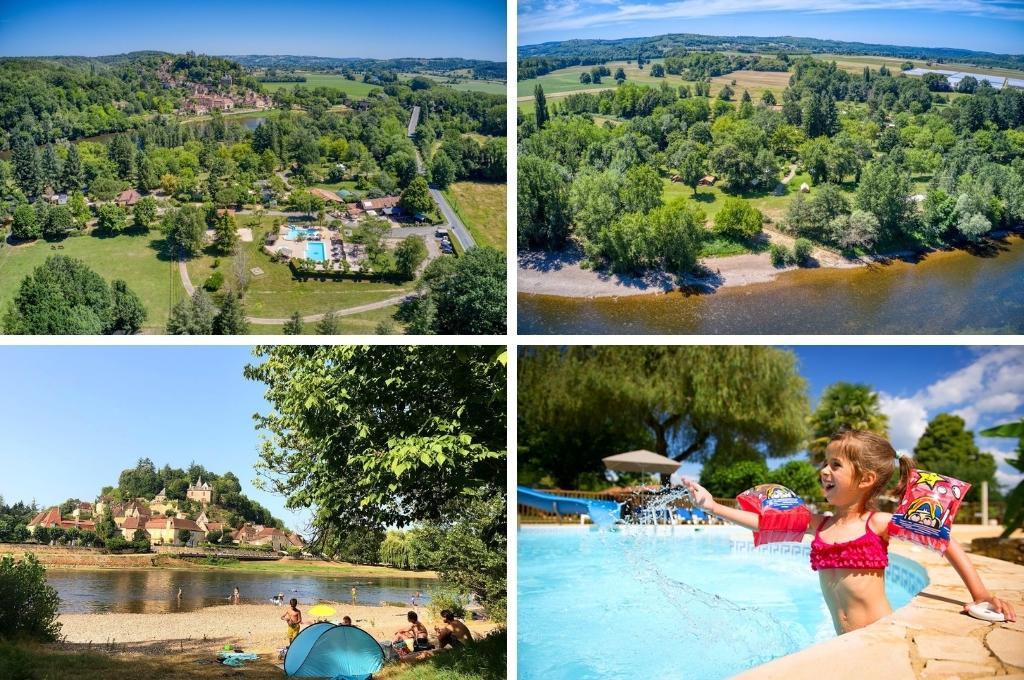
[[728, 481], [738, 219], [214, 282], [28, 605], [780, 254], [802, 250], [443, 597]]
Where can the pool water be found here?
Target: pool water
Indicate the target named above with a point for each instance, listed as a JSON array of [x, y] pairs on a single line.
[[315, 251], [669, 602], [295, 232]]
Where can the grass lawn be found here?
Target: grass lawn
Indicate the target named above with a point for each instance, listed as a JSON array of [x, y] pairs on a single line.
[[131, 256], [276, 294], [484, 660], [364, 323], [34, 661], [481, 206]]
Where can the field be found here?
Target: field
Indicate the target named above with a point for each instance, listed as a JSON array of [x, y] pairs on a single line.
[[481, 205], [856, 64], [363, 323], [566, 81], [276, 294], [131, 256], [357, 88]]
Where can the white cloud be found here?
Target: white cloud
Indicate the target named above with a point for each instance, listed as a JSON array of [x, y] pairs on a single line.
[[907, 421], [576, 15]]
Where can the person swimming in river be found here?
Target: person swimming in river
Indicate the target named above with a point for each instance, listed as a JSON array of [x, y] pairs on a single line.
[[850, 547], [236, 597]]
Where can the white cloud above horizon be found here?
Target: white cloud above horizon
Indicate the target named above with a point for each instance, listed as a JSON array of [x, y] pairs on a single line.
[[547, 15], [987, 391]]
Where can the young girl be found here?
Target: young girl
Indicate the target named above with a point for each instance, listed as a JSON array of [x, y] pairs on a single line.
[[850, 548]]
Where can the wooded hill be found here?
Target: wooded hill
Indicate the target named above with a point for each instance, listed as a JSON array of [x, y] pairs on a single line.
[[600, 51], [491, 70]]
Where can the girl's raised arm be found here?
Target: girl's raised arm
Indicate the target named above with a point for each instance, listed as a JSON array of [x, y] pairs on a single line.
[[979, 593], [702, 499]]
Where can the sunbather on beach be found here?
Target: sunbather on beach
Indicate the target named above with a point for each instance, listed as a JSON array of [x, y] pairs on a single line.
[[416, 632], [293, 617], [453, 632]]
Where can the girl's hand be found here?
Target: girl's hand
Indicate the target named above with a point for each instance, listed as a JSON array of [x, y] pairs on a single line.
[[698, 494], [1004, 608]]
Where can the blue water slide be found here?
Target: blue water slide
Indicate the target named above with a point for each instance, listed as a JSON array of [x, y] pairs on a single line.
[[603, 513]]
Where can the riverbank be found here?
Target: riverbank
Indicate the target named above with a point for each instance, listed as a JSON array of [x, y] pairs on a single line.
[[253, 627], [561, 274], [90, 559]]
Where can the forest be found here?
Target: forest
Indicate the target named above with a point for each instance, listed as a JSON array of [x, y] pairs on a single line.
[[592, 51], [865, 140]]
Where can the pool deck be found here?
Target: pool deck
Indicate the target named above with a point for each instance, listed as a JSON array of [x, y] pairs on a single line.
[[928, 638]]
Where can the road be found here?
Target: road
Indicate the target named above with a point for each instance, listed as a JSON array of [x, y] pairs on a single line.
[[454, 223]]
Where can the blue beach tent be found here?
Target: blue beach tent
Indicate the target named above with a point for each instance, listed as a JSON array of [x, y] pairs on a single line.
[[324, 650]]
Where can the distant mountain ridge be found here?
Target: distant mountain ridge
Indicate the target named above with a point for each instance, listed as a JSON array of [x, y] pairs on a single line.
[[659, 45]]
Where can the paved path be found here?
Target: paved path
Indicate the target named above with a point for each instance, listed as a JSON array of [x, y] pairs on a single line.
[[454, 223]]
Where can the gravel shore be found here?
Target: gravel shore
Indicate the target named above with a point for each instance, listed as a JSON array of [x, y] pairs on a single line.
[[253, 627]]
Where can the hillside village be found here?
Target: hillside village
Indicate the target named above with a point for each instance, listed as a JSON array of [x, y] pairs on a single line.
[[165, 521]]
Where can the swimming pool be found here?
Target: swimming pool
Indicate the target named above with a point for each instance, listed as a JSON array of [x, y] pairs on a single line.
[[315, 251], [670, 602], [295, 232]]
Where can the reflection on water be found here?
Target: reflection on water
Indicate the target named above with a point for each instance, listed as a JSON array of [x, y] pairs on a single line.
[[155, 591], [948, 292]]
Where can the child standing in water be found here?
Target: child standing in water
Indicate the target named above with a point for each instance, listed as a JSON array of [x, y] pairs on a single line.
[[850, 548]]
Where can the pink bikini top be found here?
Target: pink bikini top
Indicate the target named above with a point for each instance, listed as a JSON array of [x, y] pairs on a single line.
[[864, 552]]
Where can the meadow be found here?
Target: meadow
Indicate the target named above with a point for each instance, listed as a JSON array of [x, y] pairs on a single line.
[[357, 89], [481, 206]]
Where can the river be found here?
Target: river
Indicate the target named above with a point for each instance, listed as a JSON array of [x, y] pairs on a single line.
[[155, 591], [943, 293]]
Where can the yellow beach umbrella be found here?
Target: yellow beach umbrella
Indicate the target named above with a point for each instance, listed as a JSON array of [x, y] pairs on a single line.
[[321, 610]]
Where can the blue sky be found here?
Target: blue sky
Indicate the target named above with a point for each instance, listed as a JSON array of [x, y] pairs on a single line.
[[984, 385], [473, 29], [74, 417], [984, 25]]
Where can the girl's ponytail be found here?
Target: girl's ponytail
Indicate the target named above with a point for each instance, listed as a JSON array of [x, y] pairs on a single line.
[[906, 464]]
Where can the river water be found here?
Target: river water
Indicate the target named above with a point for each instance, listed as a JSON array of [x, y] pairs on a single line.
[[945, 292], [155, 591]]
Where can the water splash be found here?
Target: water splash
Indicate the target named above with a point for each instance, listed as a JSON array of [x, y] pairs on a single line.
[[755, 633]]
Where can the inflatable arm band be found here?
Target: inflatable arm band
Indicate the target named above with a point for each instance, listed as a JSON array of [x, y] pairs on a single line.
[[925, 515], [782, 514]]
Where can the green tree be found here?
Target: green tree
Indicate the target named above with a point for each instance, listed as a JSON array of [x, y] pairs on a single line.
[[585, 78], [225, 233], [122, 153], [800, 477], [112, 218], [29, 607], [146, 178], [423, 423], [948, 448], [844, 406], [62, 296], [468, 296], [409, 254], [192, 316], [328, 324], [50, 168], [442, 170], [74, 175], [729, 481], [79, 208], [184, 536], [658, 71], [690, 160], [883, 192], [620, 74], [60, 222], [42, 535], [726, 93], [129, 312], [27, 170], [738, 219], [141, 481], [578, 404], [540, 106], [768, 98], [230, 320], [1014, 516], [185, 229], [25, 226], [145, 211], [416, 197], [543, 204], [640, 190], [294, 325]]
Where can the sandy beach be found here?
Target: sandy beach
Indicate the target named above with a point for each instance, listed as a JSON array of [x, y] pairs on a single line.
[[254, 627], [561, 274]]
